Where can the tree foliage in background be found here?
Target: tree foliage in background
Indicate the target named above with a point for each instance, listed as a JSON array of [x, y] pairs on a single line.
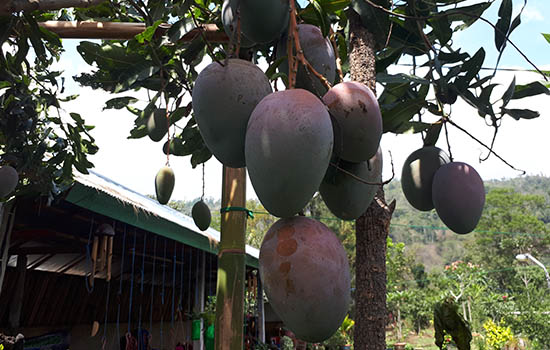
[[38, 137]]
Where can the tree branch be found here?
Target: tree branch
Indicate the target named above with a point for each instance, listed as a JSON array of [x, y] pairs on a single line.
[[11, 6]]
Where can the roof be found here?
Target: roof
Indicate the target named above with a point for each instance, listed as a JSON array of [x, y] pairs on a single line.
[[107, 197]]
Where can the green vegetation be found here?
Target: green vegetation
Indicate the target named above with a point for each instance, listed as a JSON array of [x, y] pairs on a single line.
[[502, 299]]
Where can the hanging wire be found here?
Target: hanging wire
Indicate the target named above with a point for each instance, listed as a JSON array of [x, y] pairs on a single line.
[[132, 281], [119, 295], [140, 341], [89, 288], [153, 284]]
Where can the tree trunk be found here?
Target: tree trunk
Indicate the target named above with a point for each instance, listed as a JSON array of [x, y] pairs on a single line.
[[371, 229]]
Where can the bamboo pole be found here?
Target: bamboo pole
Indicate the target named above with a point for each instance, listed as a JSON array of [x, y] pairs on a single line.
[[11, 6], [124, 30], [231, 269]]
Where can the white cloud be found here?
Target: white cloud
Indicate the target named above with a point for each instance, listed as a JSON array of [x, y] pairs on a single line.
[[531, 13]]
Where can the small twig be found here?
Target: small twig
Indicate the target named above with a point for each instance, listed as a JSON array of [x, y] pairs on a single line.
[[208, 46], [336, 54], [447, 120], [363, 180], [448, 141], [144, 14], [492, 143]]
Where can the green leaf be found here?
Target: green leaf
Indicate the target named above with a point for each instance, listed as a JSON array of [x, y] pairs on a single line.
[[433, 134], [200, 156], [518, 114], [503, 24], [412, 127], [441, 28], [400, 78], [119, 102], [466, 14], [179, 113], [148, 33], [180, 28], [138, 132], [323, 20], [400, 113], [546, 36], [375, 20], [531, 89], [507, 96]]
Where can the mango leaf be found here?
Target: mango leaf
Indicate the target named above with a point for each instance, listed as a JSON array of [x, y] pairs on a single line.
[[412, 127], [181, 112], [138, 132], [546, 36], [503, 24], [119, 102], [432, 135], [375, 20], [148, 33], [400, 113], [180, 28], [400, 78], [322, 18], [507, 96], [441, 28], [466, 14], [518, 114], [531, 89], [200, 156]]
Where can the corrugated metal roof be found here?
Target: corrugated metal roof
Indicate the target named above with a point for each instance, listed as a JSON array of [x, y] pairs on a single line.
[[143, 207]]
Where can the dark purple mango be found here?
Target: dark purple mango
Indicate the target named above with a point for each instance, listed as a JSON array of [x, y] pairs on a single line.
[[229, 20], [8, 180], [357, 113], [417, 175], [288, 147], [306, 276], [319, 53], [223, 99], [262, 21], [346, 197], [458, 195]]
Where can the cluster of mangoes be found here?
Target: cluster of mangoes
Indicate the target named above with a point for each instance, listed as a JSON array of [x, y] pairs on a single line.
[[455, 189], [294, 143]]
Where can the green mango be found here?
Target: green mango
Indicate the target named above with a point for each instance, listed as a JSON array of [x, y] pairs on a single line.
[[201, 215], [8, 180], [157, 125], [164, 184]]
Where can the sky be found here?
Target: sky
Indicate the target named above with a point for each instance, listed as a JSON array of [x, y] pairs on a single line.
[[524, 144]]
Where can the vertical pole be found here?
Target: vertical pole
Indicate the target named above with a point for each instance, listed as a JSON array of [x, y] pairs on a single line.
[[17, 302], [228, 327], [199, 344], [7, 218], [261, 316]]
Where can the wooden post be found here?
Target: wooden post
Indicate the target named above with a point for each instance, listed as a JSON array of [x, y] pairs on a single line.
[[228, 327], [18, 290]]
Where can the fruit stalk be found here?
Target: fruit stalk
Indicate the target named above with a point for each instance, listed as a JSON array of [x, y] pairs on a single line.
[[231, 269]]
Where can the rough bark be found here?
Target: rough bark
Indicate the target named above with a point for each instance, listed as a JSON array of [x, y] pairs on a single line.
[[371, 229]]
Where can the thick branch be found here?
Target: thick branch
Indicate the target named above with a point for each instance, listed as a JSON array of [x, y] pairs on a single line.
[[11, 6], [122, 30]]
